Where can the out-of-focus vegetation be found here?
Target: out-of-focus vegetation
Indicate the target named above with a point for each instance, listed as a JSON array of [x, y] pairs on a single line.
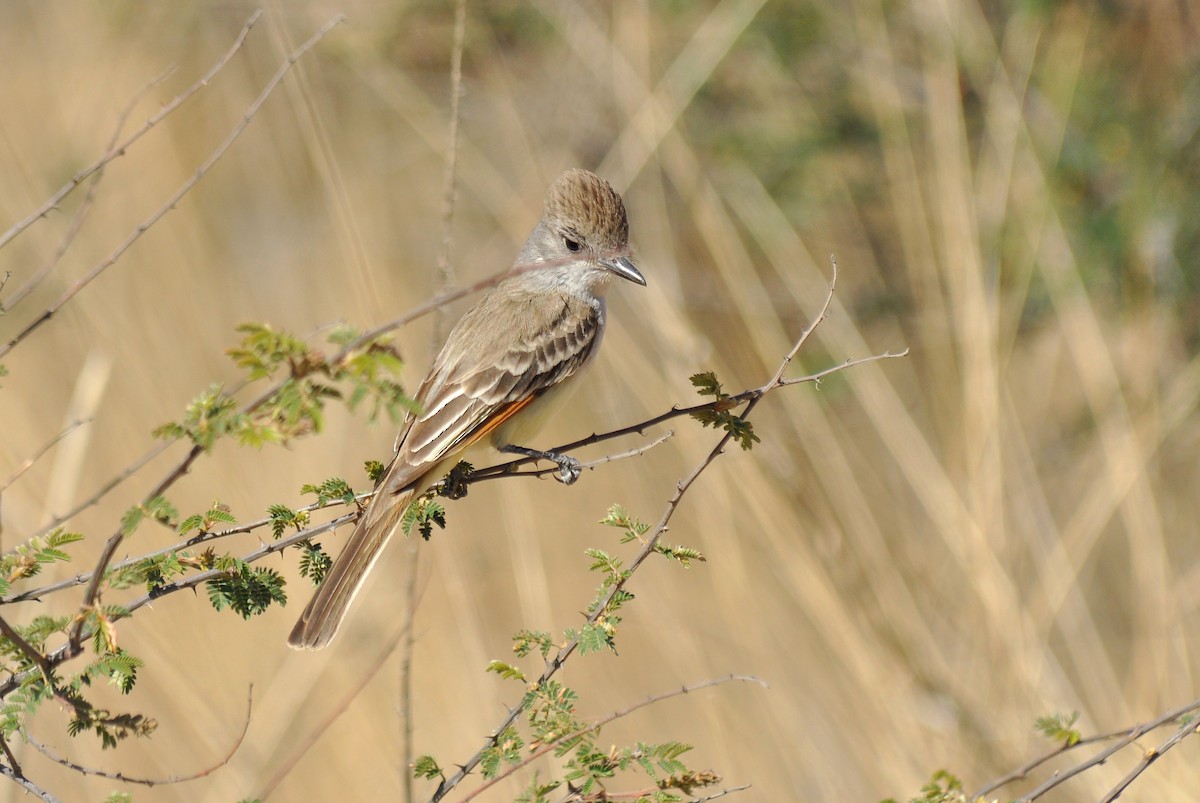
[[922, 557]]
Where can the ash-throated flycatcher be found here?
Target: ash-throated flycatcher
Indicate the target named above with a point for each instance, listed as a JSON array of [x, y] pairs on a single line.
[[504, 359]]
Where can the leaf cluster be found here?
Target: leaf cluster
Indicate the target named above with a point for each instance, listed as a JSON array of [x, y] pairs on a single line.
[[246, 590], [217, 513], [550, 706], [943, 787], [1057, 727], [634, 530], [28, 559], [719, 412], [306, 380], [422, 514], [40, 684], [157, 509]]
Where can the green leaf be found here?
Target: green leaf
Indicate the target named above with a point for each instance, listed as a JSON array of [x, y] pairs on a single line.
[[315, 563], [332, 489], [423, 514], [506, 671], [718, 413], [425, 767], [1057, 727], [193, 522], [247, 590], [506, 748], [375, 470], [526, 641], [706, 384], [282, 517], [596, 637]]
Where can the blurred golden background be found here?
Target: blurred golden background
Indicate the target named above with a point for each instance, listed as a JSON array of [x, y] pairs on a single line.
[[921, 557]]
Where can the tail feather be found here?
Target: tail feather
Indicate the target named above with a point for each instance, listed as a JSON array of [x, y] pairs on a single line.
[[321, 619]]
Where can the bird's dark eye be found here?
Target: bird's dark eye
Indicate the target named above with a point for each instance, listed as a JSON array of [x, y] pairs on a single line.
[[572, 245]]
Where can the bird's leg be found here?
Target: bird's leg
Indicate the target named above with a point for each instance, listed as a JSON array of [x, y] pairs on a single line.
[[568, 467]]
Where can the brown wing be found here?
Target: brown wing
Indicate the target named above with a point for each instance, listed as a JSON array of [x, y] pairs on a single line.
[[479, 380]]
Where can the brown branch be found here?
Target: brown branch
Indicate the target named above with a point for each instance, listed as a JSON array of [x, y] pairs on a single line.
[[508, 469], [733, 790], [551, 746], [123, 778], [654, 535], [202, 538], [67, 651], [76, 286], [81, 214], [120, 149], [677, 412], [1150, 757], [1123, 738], [12, 760]]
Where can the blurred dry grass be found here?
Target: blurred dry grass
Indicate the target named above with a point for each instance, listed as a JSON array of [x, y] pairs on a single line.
[[922, 556]]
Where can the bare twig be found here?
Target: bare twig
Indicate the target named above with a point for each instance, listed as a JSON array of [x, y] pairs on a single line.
[[28, 462], [733, 790], [105, 489], [123, 778], [121, 148], [174, 200], [551, 746], [28, 785], [89, 198], [1148, 758], [407, 649], [1123, 738]]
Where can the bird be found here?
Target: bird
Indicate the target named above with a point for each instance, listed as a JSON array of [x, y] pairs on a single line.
[[495, 378]]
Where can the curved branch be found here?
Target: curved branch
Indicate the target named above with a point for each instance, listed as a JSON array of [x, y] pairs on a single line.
[[27, 784], [122, 777]]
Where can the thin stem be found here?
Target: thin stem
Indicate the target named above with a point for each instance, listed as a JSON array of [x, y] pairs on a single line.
[[120, 149], [123, 778]]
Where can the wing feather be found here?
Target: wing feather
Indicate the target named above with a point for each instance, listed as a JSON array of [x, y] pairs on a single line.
[[478, 381]]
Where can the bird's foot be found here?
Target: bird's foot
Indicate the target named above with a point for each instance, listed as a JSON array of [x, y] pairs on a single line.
[[569, 468]]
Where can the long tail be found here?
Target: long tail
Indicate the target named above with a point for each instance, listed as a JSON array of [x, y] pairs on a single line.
[[321, 619]]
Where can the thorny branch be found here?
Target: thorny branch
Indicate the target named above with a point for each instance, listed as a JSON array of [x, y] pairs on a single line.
[[653, 536], [1120, 740], [551, 746]]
